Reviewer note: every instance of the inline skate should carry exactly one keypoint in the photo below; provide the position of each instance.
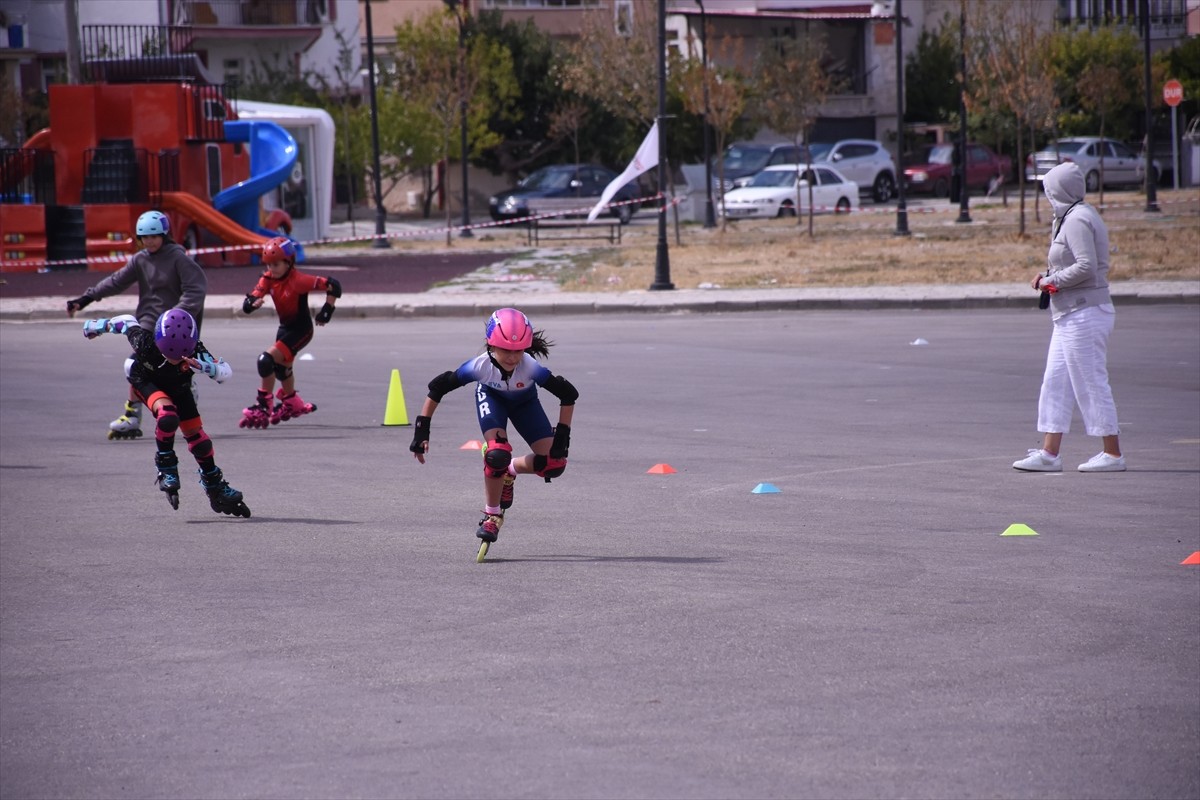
(259, 414)
(290, 406)
(168, 475)
(223, 498)
(128, 425)
(489, 531)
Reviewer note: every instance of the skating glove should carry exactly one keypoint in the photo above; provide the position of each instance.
(94, 327)
(420, 442)
(216, 369)
(248, 306)
(562, 441)
(78, 304)
(325, 314)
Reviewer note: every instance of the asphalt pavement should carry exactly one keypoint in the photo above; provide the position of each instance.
(866, 631)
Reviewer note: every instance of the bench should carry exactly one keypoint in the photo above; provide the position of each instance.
(549, 223)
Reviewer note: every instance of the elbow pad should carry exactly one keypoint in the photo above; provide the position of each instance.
(561, 388)
(441, 385)
(334, 289)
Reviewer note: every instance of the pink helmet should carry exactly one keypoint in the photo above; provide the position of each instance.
(175, 333)
(509, 329)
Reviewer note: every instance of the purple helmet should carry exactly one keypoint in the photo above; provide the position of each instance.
(175, 334)
(509, 329)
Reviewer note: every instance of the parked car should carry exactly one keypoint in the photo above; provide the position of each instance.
(773, 192)
(582, 182)
(864, 161)
(1122, 166)
(741, 161)
(933, 176)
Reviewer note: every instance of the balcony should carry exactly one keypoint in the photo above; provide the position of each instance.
(257, 13)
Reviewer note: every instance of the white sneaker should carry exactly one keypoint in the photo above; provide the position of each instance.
(1103, 462)
(1040, 461)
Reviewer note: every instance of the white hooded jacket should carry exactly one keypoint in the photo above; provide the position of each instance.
(1078, 258)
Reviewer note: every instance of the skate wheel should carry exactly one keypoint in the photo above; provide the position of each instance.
(482, 554)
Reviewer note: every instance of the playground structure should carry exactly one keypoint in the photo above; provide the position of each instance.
(149, 131)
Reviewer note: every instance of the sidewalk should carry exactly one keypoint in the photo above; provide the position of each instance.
(480, 299)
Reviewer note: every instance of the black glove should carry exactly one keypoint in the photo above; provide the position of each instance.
(248, 305)
(420, 440)
(78, 304)
(562, 441)
(325, 314)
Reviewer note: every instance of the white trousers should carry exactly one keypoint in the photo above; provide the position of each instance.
(1077, 372)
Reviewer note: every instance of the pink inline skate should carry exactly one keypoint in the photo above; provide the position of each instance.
(259, 414)
(290, 406)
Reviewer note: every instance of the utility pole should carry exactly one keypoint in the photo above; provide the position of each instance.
(381, 241)
(901, 206)
(710, 217)
(964, 207)
(662, 259)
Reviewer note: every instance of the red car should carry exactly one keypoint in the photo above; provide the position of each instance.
(933, 177)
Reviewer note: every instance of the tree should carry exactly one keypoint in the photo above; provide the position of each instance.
(792, 84)
(1007, 47)
(1072, 53)
(440, 73)
(930, 88)
(1102, 88)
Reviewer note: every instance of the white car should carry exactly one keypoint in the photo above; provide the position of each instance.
(778, 191)
(864, 161)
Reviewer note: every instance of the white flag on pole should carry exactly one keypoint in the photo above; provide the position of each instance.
(645, 158)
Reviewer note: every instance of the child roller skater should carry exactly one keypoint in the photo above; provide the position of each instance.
(289, 288)
(166, 277)
(160, 372)
(507, 376)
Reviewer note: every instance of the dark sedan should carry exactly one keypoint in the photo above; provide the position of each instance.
(576, 185)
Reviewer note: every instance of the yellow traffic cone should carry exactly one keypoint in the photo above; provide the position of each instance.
(396, 413)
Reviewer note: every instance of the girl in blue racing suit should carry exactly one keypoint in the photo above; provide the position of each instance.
(506, 378)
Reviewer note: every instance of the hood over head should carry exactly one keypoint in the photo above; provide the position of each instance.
(1064, 186)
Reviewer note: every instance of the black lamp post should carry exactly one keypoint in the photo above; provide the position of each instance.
(662, 259)
(455, 5)
(710, 218)
(964, 207)
(901, 206)
(1151, 187)
(381, 240)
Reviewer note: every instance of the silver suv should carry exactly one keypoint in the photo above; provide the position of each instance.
(1122, 167)
(864, 161)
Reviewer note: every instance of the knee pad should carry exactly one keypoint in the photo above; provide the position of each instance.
(283, 372)
(546, 467)
(266, 365)
(496, 458)
(168, 419)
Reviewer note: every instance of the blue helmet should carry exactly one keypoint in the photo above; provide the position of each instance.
(153, 223)
(176, 334)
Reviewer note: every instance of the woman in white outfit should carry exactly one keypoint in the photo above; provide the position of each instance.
(1076, 281)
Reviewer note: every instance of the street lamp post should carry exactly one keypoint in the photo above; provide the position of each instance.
(1151, 188)
(710, 218)
(662, 259)
(964, 207)
(455, 5)
(381, 240)
(901, 206)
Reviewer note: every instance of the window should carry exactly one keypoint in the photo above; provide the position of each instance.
(623, 17)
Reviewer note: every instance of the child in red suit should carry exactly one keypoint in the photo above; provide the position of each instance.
(289, 288)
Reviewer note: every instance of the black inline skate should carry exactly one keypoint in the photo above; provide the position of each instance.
(223, 498)
(168, 475)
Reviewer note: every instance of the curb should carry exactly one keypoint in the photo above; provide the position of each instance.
(481, 303)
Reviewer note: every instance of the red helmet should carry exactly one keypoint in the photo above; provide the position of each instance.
(509, 329)
(280, 248)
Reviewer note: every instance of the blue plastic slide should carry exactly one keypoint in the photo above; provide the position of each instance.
(273, 151)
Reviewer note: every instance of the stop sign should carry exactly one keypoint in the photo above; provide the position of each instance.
(1173, 92)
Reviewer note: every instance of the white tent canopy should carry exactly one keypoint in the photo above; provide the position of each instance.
(308, 194)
